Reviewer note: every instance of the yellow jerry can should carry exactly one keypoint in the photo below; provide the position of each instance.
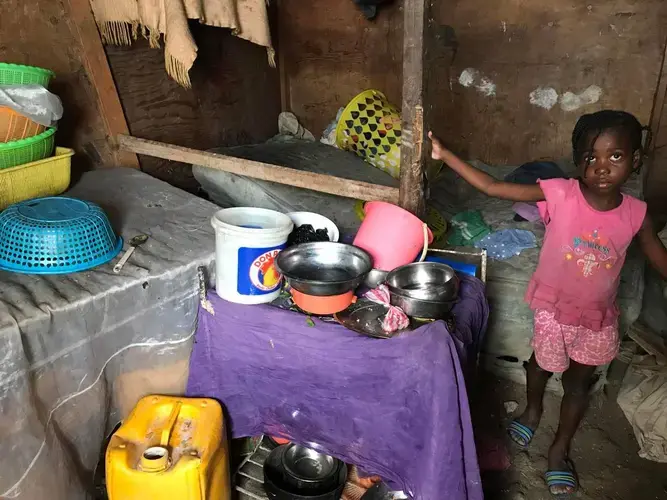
(170, 448)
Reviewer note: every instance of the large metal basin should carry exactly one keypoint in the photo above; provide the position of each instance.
(324, 268)
(422, 309)
(430, 281)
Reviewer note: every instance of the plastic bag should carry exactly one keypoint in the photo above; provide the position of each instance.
(329, 134)
(643, 399)
(32, 101)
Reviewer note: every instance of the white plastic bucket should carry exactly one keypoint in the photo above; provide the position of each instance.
(247, 241)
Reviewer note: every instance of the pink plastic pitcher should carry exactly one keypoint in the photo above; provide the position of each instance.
(393, 236)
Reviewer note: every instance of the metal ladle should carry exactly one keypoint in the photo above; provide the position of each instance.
(134, 243)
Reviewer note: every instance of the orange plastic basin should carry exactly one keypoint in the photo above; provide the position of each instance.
(321, 306)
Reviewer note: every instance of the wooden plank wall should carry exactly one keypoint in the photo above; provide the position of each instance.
(234, 100)
(512, 47)
(235, 97)
(39, 33)
(330, 53)
(565, 45)
(656, 185)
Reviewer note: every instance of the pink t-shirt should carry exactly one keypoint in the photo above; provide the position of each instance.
(584, 249)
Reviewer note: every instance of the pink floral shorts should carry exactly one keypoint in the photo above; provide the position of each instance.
(556, 344)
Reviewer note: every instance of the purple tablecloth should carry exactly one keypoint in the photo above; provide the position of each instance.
(397, 408)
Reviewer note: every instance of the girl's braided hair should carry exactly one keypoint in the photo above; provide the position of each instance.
(590, 126)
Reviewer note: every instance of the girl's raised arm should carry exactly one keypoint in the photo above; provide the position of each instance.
(482, 181)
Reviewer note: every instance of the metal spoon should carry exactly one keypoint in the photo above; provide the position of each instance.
(134, 243)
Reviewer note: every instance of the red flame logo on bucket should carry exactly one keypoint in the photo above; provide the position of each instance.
(263, 272)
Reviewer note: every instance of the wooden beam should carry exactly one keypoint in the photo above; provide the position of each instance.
(95, 60)
(413, 153)
(285, 82)
(659, 109)
(257, 170)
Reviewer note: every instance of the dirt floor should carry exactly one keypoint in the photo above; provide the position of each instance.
(604, 450)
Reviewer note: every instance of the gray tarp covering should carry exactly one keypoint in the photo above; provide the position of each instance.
(77, 351)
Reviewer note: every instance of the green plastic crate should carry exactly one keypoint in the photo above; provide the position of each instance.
(18, 74)
(27, 150)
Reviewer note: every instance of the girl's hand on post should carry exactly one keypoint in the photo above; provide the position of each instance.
(438, 151)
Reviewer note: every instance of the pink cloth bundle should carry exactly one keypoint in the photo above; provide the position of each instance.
(395, 319)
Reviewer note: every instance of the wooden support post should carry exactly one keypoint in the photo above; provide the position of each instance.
(95, 60)
(659, 110)
(285, 83)
(413, 153)
(257, 170)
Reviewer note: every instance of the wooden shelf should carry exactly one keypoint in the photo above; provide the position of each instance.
(265, 171)
(411, 193)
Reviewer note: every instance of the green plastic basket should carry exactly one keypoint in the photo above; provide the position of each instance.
(18, 74)
(27, 150)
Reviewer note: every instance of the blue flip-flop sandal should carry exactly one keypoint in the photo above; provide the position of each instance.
(519, 433)
(563, 478)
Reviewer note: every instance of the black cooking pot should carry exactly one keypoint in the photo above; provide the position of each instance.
(292, 472)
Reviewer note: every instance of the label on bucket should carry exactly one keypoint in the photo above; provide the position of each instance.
(257, 274)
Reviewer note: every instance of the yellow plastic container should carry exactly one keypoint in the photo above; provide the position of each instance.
(47, 177)
(170, 448)
(370, 126)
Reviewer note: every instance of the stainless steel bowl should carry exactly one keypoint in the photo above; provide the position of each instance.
(431, 281)
(308, 465)
(281, 484)
(324, 268)
(375, 278)
(420, 308)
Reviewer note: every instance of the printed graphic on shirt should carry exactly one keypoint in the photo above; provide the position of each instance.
(590, 252)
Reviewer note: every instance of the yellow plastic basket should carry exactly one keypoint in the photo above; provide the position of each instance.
(370, 126)
(47, 177)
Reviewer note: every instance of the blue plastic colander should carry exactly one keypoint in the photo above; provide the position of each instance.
(55, 236)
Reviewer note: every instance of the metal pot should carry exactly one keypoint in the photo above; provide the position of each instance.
(308, 470)
(313, 483)
(430, 281)
(375, 278)
(324, 268)
(419, 308)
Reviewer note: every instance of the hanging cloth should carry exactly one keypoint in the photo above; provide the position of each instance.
(120, 21)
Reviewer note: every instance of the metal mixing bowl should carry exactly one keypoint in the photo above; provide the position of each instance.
(419, 308)
(308, 465)
(324, 268)
(375, 278)
(430, 281)
(280, 482)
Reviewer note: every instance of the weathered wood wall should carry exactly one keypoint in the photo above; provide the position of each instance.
(656, 185)
(235, 98)
(564, 45)
(505, 50)
(39, 33)
(330, 53)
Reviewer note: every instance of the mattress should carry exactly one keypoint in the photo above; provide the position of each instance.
(229, 190)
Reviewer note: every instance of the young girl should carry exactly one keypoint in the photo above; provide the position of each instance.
(589, 226)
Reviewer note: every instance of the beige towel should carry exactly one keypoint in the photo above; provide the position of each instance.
(119, 22)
